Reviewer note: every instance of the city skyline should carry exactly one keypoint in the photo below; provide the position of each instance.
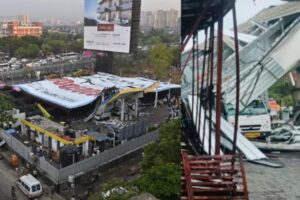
(52, 10)
(160, 19)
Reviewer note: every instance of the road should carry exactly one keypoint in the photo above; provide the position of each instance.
(26, 75)
(8, 178)
(265, 183)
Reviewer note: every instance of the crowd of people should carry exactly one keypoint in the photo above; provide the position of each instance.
(173, 106)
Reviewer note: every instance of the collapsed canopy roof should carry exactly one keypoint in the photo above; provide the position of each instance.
(71, 93)
(192, 9)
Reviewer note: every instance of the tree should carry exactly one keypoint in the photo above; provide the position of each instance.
(161, 164)
(162, 181)
(167, 149)
(160, 168)
(160, 57)
(21, 52)
(176, 56)
(282, 91)
(27, 40)
(10, 44)
(32, 51)
(57, 36)
(46, 49)
(75, 45)
(57, 46)
(6, 105)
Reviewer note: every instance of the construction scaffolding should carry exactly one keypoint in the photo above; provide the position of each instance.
(214, 175)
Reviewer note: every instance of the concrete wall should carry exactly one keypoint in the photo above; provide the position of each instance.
(59, 176)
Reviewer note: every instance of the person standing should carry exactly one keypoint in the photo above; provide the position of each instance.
(13, 193)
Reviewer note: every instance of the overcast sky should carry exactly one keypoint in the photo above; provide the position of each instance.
(73, 9)
(66, 9)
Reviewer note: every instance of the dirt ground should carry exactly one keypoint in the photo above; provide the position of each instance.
(92, 182)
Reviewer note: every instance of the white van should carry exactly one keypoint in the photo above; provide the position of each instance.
(254, 120)
(30, 186)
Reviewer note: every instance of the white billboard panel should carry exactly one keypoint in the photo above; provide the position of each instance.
(70, 92)
(107, 25)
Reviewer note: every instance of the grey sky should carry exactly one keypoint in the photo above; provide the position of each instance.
(73, 9)
(66, 9)
(150, 5)
(43, 9)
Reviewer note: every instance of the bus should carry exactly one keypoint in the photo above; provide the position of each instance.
(69, 56)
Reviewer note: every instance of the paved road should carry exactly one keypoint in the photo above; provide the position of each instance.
(26, 75)
(8, 178)
(265, 183)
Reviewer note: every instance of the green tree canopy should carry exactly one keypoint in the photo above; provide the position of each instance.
(167, 149)
(46, 49)
(5, 106)
(282, 91)
(75, 45)
(57, 46)
(21, 52)
(160, 57)
(30, 51)
(30, 46)
(161, 164)
(162, 181)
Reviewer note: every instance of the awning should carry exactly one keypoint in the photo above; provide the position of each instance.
(98, 136)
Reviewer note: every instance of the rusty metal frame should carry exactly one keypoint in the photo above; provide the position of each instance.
(213, 177)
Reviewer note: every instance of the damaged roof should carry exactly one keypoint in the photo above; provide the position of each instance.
(192, 9)
(272, 13)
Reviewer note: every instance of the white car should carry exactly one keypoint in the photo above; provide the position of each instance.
(30, 186)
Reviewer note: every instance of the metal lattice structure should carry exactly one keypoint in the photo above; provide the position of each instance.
(212, 176)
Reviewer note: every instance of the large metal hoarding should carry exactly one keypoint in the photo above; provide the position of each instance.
(107, 25)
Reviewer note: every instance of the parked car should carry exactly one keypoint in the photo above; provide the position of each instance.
(30, 186)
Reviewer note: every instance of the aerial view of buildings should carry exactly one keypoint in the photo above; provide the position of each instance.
(149, 100)
(22, 27)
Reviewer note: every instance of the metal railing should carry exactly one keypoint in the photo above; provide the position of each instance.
(106, 156)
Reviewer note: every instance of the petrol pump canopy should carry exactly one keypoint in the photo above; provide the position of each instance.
(70, 92)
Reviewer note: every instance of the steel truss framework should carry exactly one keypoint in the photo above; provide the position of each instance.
(212, 176)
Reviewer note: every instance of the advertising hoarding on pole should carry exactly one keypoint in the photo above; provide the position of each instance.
(107, 25)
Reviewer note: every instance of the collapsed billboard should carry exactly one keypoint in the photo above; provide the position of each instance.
(107, 25)
(70, 92)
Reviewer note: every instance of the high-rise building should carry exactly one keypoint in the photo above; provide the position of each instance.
(160, 19)
(172, 18)
(25, 20)
(23, 28)
(147, 19)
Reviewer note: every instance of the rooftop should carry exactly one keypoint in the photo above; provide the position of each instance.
(271, 13)
(192, 9)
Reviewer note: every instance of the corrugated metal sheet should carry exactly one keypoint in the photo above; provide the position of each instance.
(271, 13)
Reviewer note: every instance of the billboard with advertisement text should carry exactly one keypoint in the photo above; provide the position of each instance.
(107, 25)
